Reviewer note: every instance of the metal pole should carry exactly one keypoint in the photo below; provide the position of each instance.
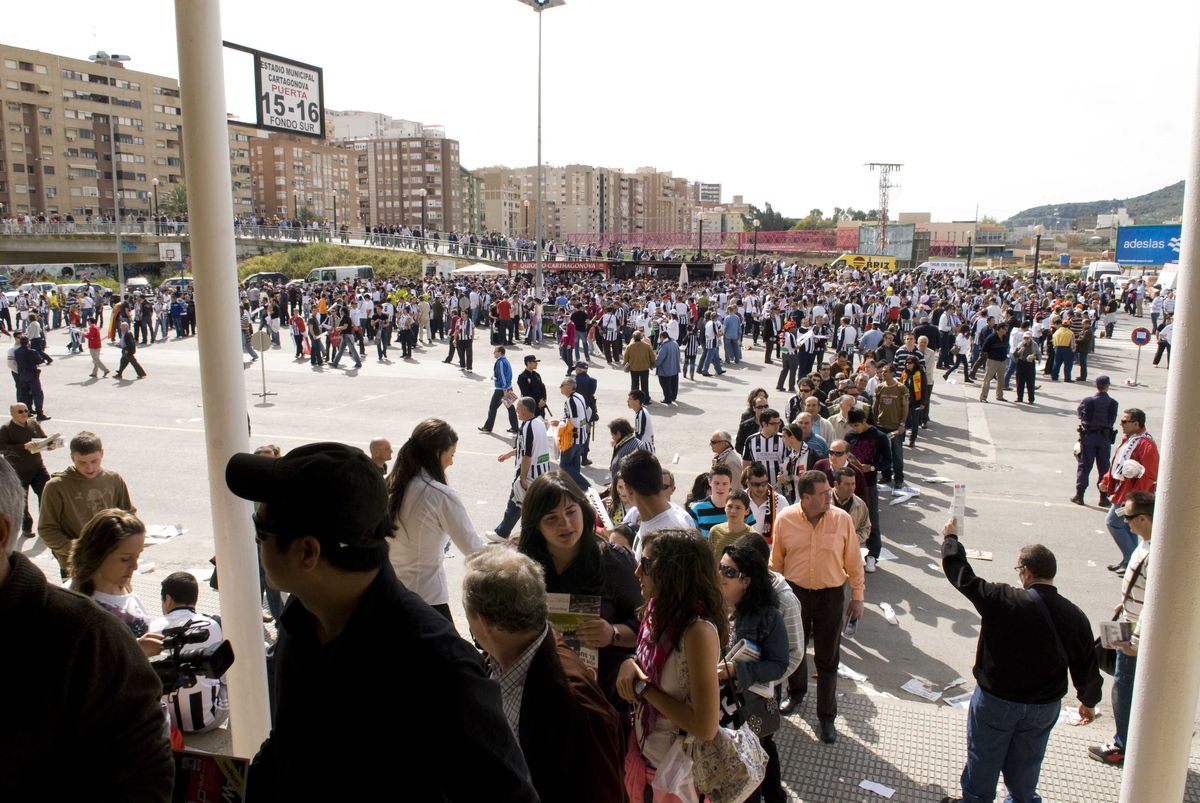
(1168, 667)
(538, 283)
(222, 381)
(1037, 255)
(335, 211)
(112, 149)
(700, 239)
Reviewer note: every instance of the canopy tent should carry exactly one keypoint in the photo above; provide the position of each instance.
(477, 267)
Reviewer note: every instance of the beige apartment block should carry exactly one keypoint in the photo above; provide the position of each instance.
(400, 176)
(293, 173)
(55, 153)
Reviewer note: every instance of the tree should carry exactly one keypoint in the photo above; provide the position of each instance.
(306, 215)
(768, 218)
(174, 204)
(988, 219)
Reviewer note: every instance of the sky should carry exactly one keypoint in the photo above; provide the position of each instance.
(996, 107)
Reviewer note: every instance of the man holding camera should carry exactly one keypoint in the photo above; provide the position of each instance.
(203, 705)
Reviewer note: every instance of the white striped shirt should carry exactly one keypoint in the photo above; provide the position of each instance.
(643, 430)
(575, 410)
(205, 704)
(768, 451)
(531, 440)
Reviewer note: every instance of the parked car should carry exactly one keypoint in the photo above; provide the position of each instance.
(176, 283)
(269, 278)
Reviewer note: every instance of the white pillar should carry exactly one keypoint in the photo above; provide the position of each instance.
(222, 386)
(1168, 671)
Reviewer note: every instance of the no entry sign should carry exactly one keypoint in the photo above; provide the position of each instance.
(1140, 336)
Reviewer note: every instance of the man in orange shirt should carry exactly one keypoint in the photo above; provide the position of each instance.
(816, 548)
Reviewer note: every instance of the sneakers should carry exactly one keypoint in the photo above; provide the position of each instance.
(870, 565)
(1107, 754)
(493, 537)
(1077, 499)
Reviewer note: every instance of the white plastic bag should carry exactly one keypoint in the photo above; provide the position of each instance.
(674, 774)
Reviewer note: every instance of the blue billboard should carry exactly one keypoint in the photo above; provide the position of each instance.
(1148, 245)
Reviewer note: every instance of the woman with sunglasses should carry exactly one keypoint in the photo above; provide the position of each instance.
(914, 379)
(683, 625)
(748, 425)
(754, 617)
(558, 530)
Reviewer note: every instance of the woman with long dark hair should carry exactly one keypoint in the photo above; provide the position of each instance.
(558, 530)
(754, 616)
(683, 634)
(427, 513)
(914, 379)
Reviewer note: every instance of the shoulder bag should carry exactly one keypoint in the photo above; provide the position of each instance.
(728, 767)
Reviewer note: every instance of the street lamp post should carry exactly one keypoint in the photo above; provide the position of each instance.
(526, 228)
(539, 6)
(422, 193)
(154, 203)
(100, 57)
(757, 224)
(1037, 251)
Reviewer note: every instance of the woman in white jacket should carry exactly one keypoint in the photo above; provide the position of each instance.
(427, 513)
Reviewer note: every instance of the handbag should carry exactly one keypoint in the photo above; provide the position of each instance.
(749, 708)
(728, 767)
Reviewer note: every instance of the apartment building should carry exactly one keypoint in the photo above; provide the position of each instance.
(472, 201)
(303, 177)
(410, 172)
(706, 194)
(240, 167)
(55, 154)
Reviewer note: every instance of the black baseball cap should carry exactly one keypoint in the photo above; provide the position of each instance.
(299, 485)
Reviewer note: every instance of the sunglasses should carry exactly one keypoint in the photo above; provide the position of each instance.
(729, 572)
(715, 443)
(837, 453)
(758, 484)
(646, 564)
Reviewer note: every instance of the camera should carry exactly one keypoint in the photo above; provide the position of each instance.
(180, 665)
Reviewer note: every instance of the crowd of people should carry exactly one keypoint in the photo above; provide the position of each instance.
(622, 636)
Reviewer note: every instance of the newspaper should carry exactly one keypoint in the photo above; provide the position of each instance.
(1115, 634)
(49, 442)
(922, 688)
(567, 613)
(201, 776)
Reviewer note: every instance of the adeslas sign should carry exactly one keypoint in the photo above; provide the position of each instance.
(1148, 245)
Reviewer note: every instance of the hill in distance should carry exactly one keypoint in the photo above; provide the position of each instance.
(1153, 207)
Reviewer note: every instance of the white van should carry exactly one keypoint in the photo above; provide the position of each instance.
(942, 266)
(1096, 270)
(338, 273)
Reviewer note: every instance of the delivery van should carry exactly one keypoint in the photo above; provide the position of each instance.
(1097, 270)
(865, 262)
(340, 273)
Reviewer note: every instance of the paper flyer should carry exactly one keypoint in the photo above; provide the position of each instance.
(566, 613)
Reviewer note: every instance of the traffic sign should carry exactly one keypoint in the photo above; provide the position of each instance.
(1140, 336)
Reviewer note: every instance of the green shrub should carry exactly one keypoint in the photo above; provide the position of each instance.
(297, 262)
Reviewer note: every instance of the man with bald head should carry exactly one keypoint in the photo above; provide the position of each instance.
(16, 444)
(381, 452)
(839, 458)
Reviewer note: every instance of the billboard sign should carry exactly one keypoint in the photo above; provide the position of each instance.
(899, 240)
(289, 94)
(1148, 245)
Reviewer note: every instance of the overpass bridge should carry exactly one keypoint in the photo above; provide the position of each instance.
(80, 243)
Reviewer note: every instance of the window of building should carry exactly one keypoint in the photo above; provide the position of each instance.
(48, 170)
(10, 64)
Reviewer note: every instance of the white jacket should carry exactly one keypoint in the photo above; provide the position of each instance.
(430, 515)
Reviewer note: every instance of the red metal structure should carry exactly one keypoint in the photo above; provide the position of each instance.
(803, 241)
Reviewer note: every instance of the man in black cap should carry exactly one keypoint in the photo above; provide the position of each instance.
(361, 661)
(1097, 431)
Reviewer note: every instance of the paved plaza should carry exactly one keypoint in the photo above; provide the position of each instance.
(1016, 461)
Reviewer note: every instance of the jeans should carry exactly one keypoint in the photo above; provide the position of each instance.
(1009, 371)
(711, 357)
(346, 344)
(1122, 696)
(247, 348)
(733, 350)
(1064, 360)
(1005, 737)
(1124, 537)
(494, 405)
(875, 539)
(959, 359)
(512, 515)
(896, 440)
(570, 461)
(581, 337)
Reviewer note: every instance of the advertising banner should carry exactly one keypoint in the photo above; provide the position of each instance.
(1148, 245)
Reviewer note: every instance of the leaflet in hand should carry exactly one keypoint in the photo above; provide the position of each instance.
(50, 442)
(566, 613)
(1115, 634)
(743, 651)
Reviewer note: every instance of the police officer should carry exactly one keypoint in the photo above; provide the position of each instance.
(1097, 419)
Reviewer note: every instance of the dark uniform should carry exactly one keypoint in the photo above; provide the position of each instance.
(1097, 419)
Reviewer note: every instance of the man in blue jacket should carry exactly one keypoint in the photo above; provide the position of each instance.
(501, 384)
(666, 367)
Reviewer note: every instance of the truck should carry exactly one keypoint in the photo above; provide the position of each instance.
(338, 273)
(866, 262)
(1096, 270)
